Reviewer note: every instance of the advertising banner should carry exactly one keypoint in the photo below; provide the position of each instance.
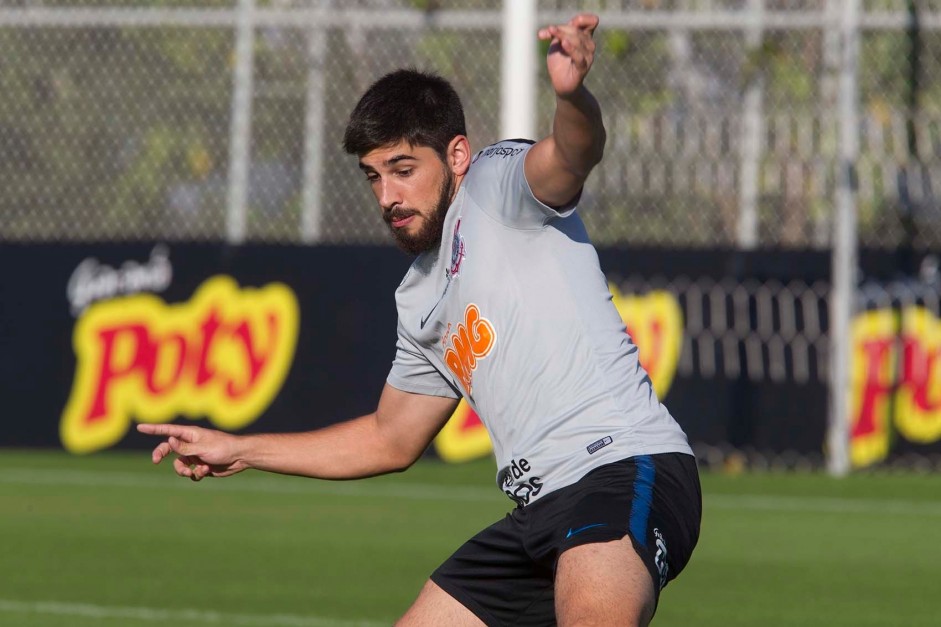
(95, 338)
(895, 397)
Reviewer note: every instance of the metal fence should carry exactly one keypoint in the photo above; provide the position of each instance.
(208, 120)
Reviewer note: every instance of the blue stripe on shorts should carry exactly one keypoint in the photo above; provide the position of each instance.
(643, 497)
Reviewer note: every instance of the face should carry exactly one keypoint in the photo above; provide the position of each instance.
(414, 189)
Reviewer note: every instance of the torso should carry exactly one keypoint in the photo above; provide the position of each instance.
(514, 314)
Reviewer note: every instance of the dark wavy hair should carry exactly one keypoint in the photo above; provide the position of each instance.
(419, 108)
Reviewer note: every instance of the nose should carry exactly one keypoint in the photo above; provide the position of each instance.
(389, 195)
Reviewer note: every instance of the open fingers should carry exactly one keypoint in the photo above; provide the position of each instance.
(162, 450)
(569, 33)
(583, 23)
(172, 445)
(191, 467)
(200, 471)
(187, 434)
(570, 40)
(587, 22)
(182, 467)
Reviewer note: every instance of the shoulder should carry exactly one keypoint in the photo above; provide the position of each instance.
(497, 170)
(502, 151)
(497, 184)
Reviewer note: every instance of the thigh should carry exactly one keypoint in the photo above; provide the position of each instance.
(435, 607)
(494, 576)
(653, 500)
(603, 583)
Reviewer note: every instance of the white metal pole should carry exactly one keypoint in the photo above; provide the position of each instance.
(311, 197)
(240, 129)
(518, 70)
(829, 104)
(843, 291)
(752, 131)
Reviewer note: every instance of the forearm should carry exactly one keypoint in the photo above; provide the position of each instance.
(348, 450)
(389, 439)
(578, 133)
(557, 166)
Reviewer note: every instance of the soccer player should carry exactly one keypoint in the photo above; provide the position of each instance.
(505, 305)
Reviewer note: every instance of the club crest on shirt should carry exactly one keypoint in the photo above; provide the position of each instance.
(457, 251)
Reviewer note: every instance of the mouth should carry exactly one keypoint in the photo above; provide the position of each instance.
(400, 218)
(398, 223)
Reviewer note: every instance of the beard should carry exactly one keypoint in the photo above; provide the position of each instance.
(429, 235)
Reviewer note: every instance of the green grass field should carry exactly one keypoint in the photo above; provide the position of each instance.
(111, 540)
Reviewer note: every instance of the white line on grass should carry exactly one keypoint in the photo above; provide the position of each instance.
(242, 484)
(430, 492)
(821, 504)
(87, 610)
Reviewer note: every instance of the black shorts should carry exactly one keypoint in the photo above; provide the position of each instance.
(505, 574)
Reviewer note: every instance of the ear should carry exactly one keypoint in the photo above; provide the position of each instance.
(459, 155)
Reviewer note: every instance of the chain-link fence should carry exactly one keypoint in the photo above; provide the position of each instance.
(199, 120)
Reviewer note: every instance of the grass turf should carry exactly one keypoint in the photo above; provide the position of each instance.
(110, 540)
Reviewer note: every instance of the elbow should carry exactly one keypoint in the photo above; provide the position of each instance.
(400, 468)
(401, 460)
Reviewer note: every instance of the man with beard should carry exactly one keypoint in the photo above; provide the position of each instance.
(505, 306)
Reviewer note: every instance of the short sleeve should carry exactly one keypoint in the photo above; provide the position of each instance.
(497, 184)
(412, 372)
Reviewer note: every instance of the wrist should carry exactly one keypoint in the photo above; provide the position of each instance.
(242, 451)
(578, 96)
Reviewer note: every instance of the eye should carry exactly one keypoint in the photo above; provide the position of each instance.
(404, 173)
(372, 177)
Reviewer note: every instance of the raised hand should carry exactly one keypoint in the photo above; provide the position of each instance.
(200, 452)
(571, 52)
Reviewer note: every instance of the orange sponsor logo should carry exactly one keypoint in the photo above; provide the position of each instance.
(222, 355)
(472, 340)
(895, 382)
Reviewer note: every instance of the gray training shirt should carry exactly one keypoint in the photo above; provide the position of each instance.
(513, 313)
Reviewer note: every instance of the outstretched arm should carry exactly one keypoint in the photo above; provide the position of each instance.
(388, 440)
(557, 166)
